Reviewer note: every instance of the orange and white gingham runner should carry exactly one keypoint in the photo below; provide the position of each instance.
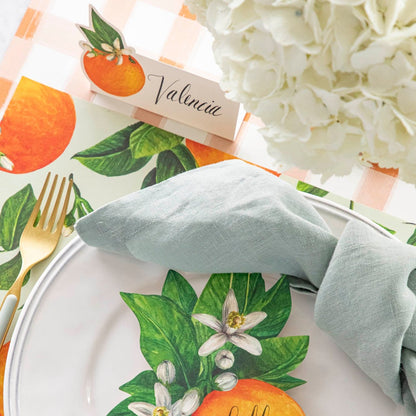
(45, 48)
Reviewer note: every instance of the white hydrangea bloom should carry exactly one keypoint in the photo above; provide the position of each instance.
(333, 80)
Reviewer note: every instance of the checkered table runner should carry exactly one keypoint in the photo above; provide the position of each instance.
(46, 49)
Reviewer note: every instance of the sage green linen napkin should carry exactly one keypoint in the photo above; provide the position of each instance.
(234, 217)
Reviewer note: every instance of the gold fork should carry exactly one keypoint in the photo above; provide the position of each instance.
(38, 241)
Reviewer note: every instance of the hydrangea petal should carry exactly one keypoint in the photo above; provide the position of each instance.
(406, 100)
(235, 48)
(382, 77)
(286, 25)
(407, 13)
(244, 17)
(261, 43)
(376, 53)
(405, 70)
(295, 61)
(260, 81)
(234, 3)
(309, 109)
(293, 126)
(386, 125)
(219, 17)
(335, 136)
(348, 2)
(331, 100)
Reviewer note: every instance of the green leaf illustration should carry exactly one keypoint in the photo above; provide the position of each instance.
(122, 408)
(279, 356)
(389, 230)
(112, 156)
(185, 156)
(248, 289)
(147, 140)
(304, 187)
(167, 166)
(93, 38)
(14, 216)
(277, 303)
(412, 239)
(286, 382)
(106, 32)
(173, 162)
(166, 333)
(177, 288)
(9, 272)
(143, 386)
(150, 179)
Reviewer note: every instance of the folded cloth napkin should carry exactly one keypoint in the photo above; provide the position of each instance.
(233, 217)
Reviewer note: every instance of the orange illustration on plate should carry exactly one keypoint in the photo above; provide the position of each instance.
(107, 63)
(249, 397)
(3, 355)
(219, 354)
(36, 128)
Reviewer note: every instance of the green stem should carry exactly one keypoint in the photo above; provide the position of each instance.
(81, 207)
(86, 205)
(246, 296)
(352, 205)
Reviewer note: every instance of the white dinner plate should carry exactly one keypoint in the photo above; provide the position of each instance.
(76, 340)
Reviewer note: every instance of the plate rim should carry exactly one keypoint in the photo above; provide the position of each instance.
(14, 356)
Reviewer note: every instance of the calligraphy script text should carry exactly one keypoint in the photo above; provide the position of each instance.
(183, 96)
(235, 411)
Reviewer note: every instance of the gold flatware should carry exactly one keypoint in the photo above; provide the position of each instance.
(37, 242)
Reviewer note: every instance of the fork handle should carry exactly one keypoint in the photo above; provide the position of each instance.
(7, 312)
(10, 302)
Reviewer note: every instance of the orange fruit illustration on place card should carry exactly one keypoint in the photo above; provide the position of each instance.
(121, 79)
(249, 397)
(107, 62)
(36, 128)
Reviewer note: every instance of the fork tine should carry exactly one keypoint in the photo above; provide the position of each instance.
(65, 207)
(36, 208)
(55, 208)
(48, 203)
